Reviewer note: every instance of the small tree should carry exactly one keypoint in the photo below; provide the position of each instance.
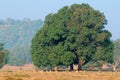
(3, 55)
(116, 53)
(1, 59)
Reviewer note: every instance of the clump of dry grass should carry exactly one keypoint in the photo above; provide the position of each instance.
(12, 78)
(22, 75)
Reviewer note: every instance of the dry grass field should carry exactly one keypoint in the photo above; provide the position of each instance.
(39, 75)
(28, 72)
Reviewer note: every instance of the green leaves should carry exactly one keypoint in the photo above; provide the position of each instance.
(3, 55)
(74, 34)
(116, 50)
(68, 58)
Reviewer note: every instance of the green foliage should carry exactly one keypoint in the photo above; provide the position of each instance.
(6, 55)
(3, 55)
(75, 34)
(1, 46)
(1, 59)
(116, 50)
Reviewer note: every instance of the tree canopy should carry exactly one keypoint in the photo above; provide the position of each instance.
(76, 34)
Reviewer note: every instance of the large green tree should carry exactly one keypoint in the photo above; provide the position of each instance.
(74, 35)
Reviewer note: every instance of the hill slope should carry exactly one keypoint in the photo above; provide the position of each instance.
(16, 35)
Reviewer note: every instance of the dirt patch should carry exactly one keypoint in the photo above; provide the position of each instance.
(25, 67)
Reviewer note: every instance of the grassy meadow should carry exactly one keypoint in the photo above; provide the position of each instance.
(65, 75)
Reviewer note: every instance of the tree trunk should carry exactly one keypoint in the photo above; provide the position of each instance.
(115, 65)
(79, 66)
(56, 68)
(71, 67)
(114, 68)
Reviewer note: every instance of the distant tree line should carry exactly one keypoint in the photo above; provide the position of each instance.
(16, 35)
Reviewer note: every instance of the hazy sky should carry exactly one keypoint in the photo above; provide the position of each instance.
(34, 9)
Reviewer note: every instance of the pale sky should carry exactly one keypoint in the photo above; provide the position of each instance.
(35, 9)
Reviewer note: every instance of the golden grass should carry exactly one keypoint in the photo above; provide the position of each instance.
(39, 75)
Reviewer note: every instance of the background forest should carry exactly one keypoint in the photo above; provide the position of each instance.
(16, 36)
